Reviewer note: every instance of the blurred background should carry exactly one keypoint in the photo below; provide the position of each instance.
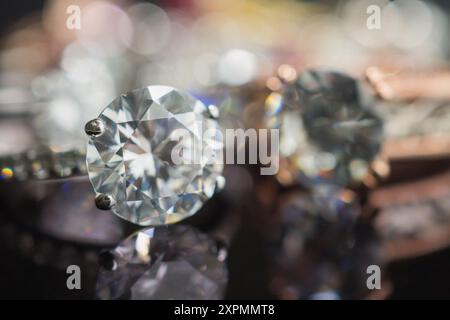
(55, 75)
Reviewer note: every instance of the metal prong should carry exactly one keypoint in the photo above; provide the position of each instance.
(94, 128)
(213, 111)
(220, 183)
(104, 201)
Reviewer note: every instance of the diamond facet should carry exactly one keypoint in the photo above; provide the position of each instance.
(132, 160)
(177, 262)
(328, 128)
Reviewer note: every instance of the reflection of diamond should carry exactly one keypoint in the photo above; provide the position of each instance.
(132, 160)
(177, 262)
(327, 127)
(323, 250)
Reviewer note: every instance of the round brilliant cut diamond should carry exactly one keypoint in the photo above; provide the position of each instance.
(136, 159)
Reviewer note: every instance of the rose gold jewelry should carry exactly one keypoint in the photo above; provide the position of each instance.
(414, 217)
(401, 86)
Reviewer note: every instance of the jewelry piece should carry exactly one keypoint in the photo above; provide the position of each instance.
(130, 157)
(409, 86)
(175, 262)
(329, 129)
(416, 110)
(414, 216)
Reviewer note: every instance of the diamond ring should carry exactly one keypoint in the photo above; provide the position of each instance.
(130, 157)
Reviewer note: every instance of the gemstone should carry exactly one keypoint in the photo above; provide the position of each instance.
(132, 160)
(329, 131)
(174, 262)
